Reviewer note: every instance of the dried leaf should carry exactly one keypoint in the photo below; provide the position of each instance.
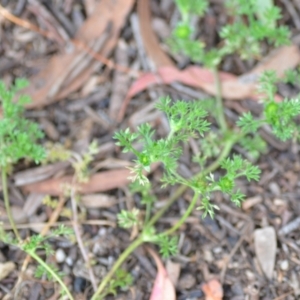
(265, 249)
(6, 268)
(18, 215)
(233, 87)
(163, 288)
(173, 269)
(33, 202)
(99, 182)
(213, 290)
(150, 40)
(69, 71)
(120, 81)
(39, 173)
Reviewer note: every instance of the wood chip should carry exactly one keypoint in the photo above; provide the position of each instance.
(98, 200)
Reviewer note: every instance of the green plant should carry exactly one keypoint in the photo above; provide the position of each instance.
(250, 26)
(38, 242)
(251, 22)
(189, 119)
(18, 140)
(17, 137)
(122, 279)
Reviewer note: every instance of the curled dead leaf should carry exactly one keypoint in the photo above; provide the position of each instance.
(163, 288)
(213, 290)
(6, 268)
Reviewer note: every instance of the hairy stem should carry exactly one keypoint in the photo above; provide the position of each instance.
(180, 190)
(226, 150)
(148, 212)
(139, 241)
(219, 108)
(185, 215)
(53, 273)
(7, 205)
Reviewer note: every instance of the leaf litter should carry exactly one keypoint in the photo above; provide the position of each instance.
(61, 79)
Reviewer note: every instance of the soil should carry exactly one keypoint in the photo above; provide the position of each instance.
(81, 59)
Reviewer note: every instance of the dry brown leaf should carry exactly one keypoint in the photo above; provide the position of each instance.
(68, 71)
(120, 81)
(99, 182)
(213, 290)
(163, 288)
(32, 203)
(6, 268)
(173, 270)
(18, 214)
(39, 173)
(233, 87)
(151, 44)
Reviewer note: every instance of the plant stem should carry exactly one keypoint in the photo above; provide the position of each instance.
(53, 273)
(148, 212)
(219, 109)
(179, 191)
(185, 215)
(139, 241)
(7, 204)
(213, 166)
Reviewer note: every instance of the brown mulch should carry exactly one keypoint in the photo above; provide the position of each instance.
(82, 58)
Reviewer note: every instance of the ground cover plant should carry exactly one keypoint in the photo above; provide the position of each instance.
(190, 120)
(19, 141)
(218, 168)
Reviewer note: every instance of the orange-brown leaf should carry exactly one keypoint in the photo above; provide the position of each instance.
(213, 290)
(163, 288)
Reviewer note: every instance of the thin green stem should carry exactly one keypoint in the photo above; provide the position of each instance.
(53, 273)
(179, 191)
(139, 241)
(219, 109)
(7, 204)
(185, 215)
(226, 150)
(148, 212)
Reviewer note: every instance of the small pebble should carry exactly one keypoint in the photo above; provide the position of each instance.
(208, 255)
(284, 265)
(60, 255)
(250, 275)
(274, 188)
(102, 231)
(69, 261)
(111, 260)
(217, 250)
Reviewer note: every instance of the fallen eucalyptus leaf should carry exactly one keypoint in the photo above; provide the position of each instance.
(163, 288)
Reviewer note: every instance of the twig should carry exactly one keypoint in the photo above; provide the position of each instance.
(233, 251)
(291, 226)
(56, 224)
(109, 63)
(78, 236)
